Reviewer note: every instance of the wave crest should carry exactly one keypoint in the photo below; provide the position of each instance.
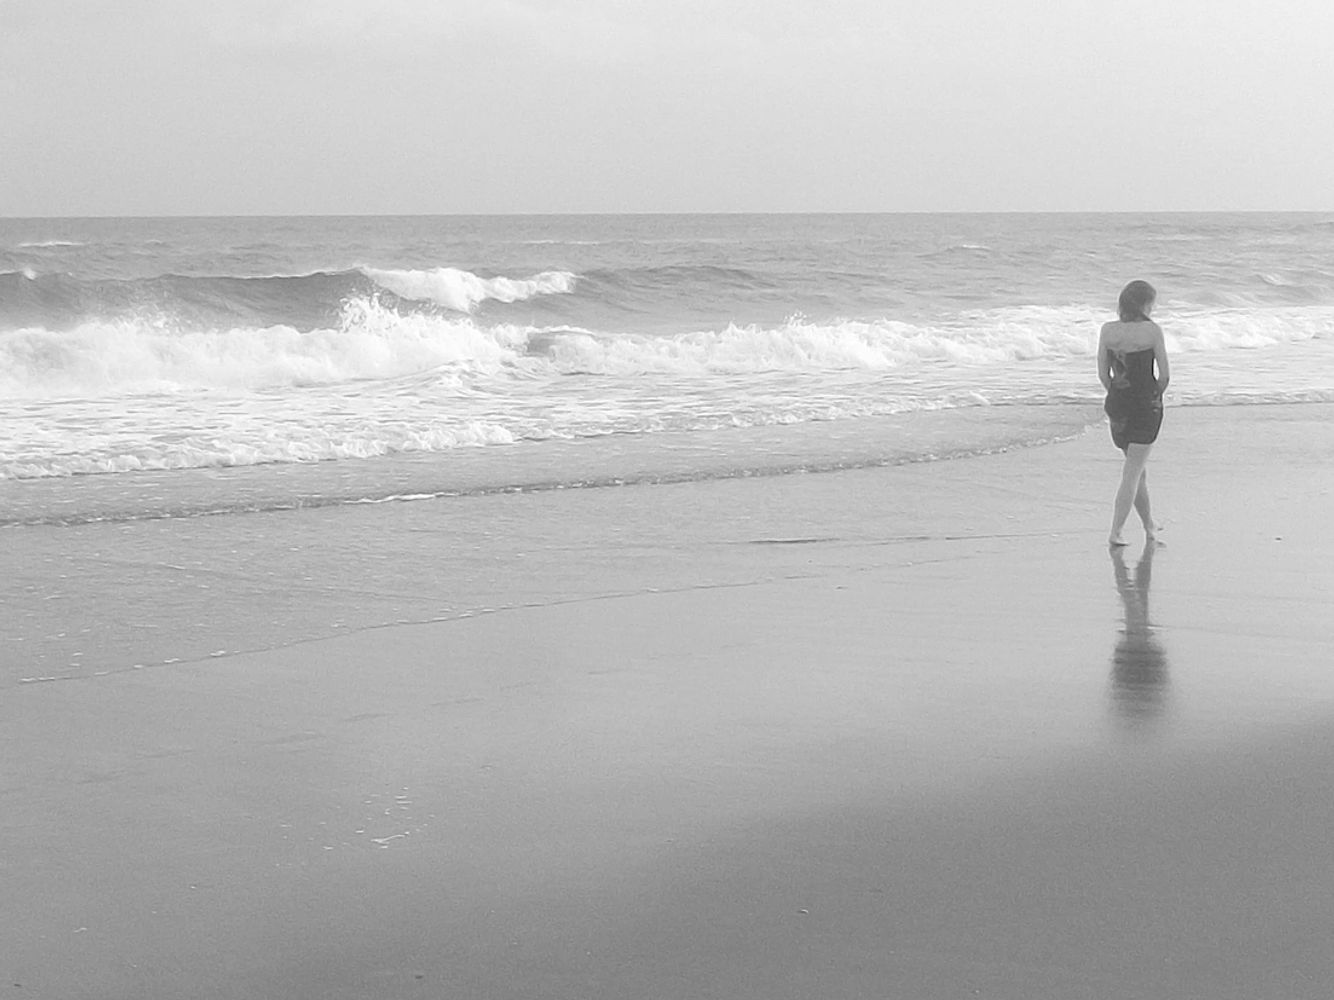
(462, 291)
(50, 244)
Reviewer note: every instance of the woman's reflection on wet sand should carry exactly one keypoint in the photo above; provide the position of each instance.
(1139, 663)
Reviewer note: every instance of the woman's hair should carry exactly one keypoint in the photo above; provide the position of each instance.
(1135, 300)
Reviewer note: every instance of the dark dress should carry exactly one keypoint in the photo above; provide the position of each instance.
(1133, 405)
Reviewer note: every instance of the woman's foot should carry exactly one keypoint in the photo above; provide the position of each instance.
(1115, 541)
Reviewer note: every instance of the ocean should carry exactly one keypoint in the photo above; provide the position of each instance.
(176, 371)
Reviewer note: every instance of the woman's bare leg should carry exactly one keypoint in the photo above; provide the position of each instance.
(1132, 480)
(1142, 505)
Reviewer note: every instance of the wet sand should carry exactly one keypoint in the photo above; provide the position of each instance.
(966, 753)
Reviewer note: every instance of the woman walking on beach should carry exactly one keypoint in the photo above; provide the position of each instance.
(1129, 349)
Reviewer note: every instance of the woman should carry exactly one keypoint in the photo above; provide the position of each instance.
(1129, 350)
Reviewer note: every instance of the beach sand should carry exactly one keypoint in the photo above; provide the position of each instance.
(902, 732)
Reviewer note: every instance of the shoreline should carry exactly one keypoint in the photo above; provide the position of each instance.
(872, 732)
(671, 458)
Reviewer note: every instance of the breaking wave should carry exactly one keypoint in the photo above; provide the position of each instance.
(371, 340)
(463, 291)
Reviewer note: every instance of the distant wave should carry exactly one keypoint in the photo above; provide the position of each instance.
(462, 291)
(46, 244)
(641, 297)
(218, 302)
(679, 277)
(956, 248)
(59, 301)
(562, 243)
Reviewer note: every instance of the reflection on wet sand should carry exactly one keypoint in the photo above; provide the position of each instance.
(1139, 662)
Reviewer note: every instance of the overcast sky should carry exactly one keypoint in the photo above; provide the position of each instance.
(148, 107)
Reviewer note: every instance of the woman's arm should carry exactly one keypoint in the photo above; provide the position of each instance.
(1160, 357)
(1104, 365)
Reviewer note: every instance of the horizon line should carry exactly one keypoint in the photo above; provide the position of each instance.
(794, 213)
